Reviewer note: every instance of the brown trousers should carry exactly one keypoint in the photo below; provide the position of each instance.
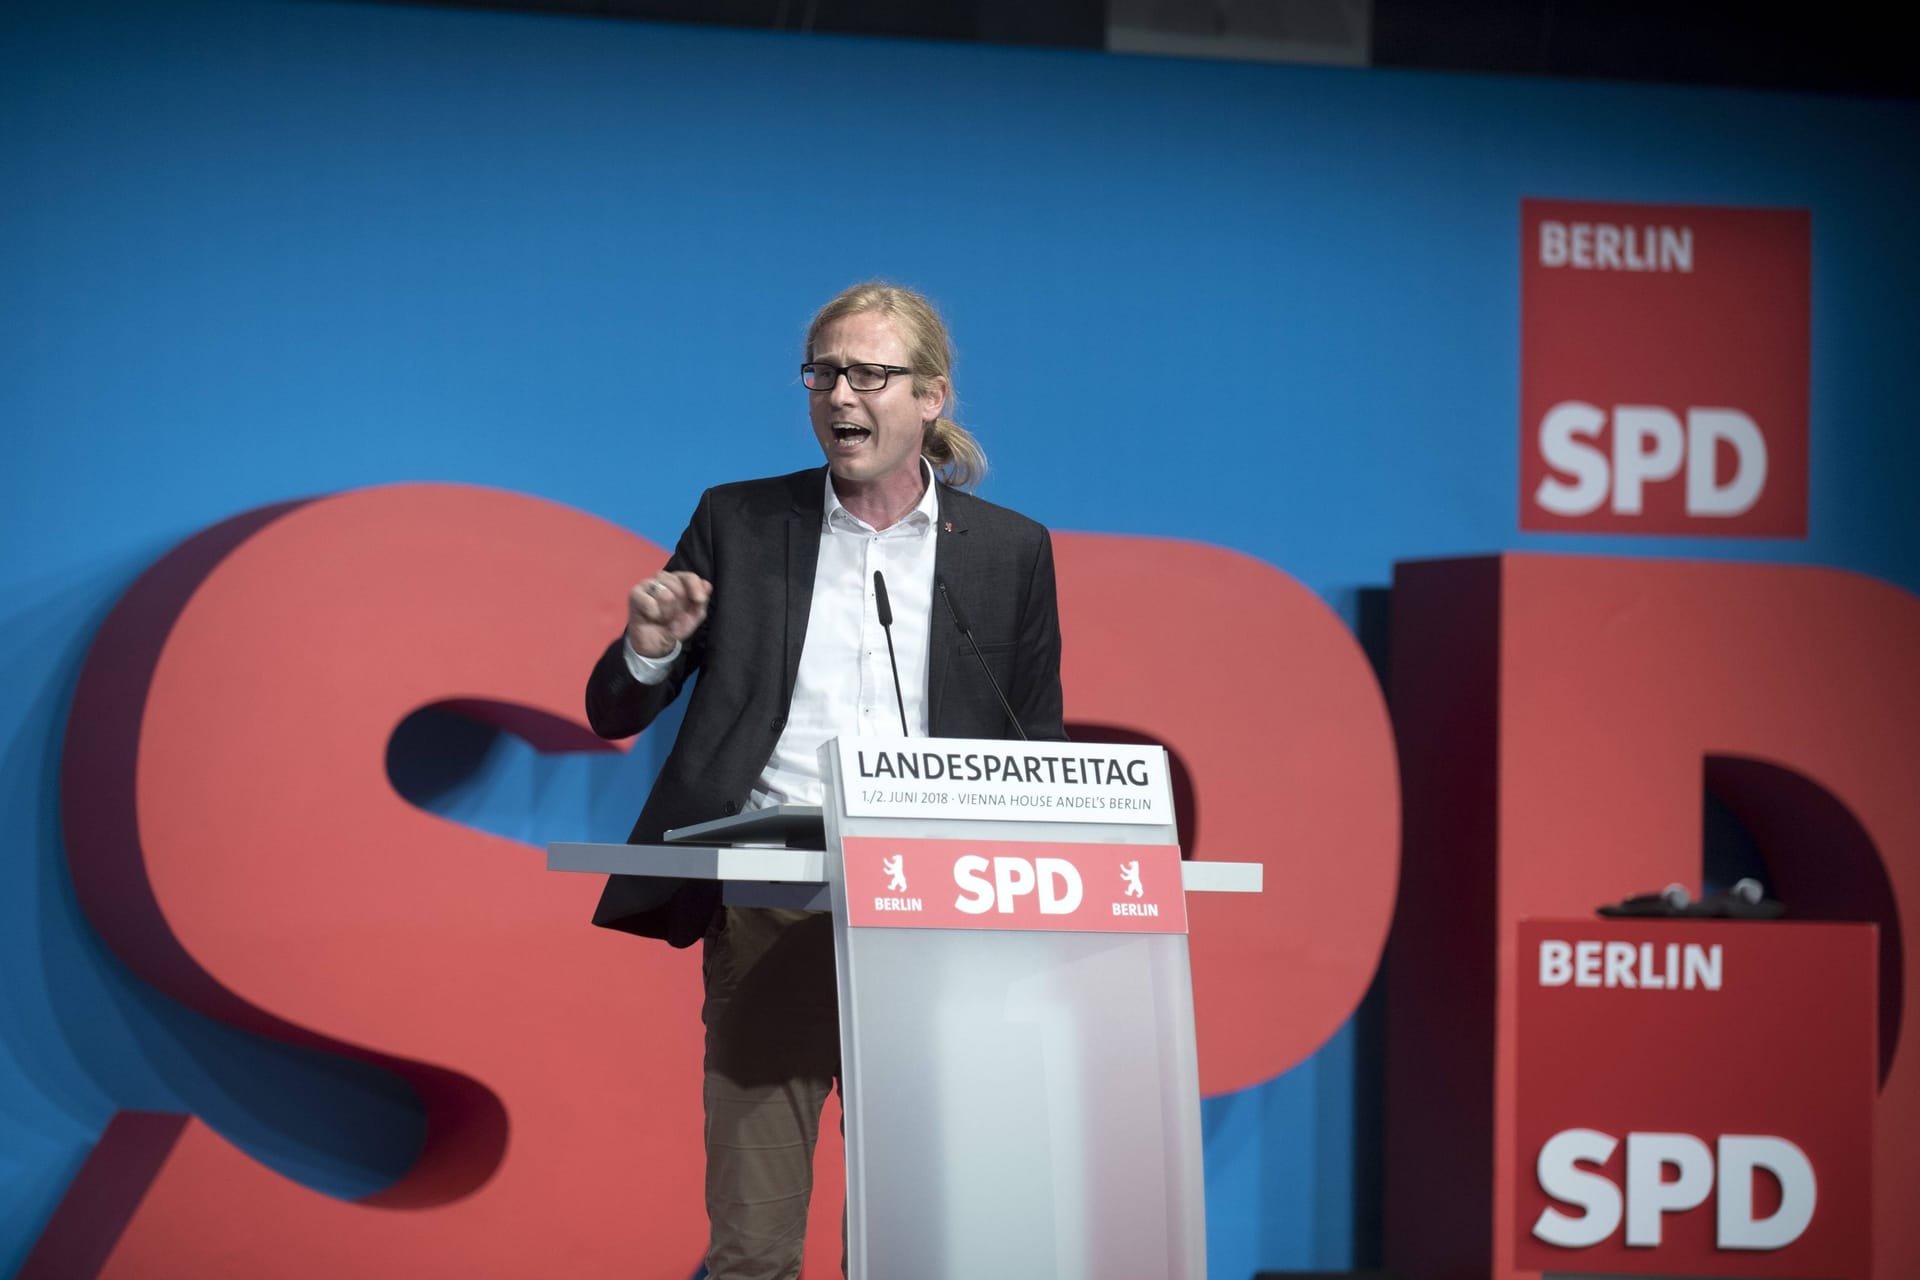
(773, 1055)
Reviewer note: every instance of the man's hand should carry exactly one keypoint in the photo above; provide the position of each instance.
(664, 610)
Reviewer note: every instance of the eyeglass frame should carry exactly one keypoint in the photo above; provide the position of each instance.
(846, 371)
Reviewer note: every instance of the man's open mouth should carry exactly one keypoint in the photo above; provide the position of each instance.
(848, 434)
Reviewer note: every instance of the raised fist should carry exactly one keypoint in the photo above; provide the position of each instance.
(664, 610)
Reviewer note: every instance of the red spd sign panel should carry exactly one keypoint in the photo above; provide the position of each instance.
(1695, 1098)
(1663, 369)
(1008, 884)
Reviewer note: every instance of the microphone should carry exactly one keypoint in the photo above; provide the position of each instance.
(1675, 896)
(886, 625)
(1671, 901)
(973, 644)
(1745, 900)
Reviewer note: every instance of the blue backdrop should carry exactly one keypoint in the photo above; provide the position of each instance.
(252, 252)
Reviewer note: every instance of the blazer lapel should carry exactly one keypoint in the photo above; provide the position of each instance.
(803, 559)
(950, 567)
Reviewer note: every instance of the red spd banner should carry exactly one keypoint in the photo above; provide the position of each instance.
(1663, 369)
(1695, 1098)
(1014, 884)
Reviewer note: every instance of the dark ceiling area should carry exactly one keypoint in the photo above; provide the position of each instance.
(1739, 43)
(1844, 49)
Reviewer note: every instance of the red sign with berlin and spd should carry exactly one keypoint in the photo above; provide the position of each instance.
(1664, 369)
(1014, 884)
(1695, 1098)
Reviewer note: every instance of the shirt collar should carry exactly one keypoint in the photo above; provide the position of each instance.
(918, 520)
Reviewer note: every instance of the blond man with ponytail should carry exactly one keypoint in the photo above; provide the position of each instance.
(770, 598)
(951, 449)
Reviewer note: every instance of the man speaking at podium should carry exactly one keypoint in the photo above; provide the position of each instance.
(771, 598)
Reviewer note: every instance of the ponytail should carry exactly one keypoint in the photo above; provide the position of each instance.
(956, 456)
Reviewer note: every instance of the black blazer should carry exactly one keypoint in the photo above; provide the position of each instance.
(758, 543)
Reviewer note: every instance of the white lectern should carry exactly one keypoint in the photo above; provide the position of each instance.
(1016, 1010)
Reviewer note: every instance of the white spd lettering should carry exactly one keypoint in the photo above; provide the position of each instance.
(1650, 446)
(1671, 1173)
(997, 884)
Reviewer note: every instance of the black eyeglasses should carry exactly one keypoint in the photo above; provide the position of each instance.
(861, 377)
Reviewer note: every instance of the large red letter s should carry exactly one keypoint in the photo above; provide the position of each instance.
(234, 835)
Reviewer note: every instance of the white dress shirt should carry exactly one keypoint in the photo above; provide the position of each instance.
(845, 685)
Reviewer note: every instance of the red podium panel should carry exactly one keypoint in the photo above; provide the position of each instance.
(1008, 884)
(1695, 1098)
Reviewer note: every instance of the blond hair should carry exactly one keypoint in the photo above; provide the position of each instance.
(950, 447)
